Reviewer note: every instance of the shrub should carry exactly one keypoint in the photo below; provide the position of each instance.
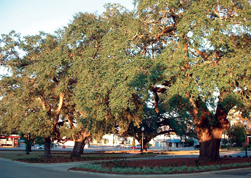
(160, 170)
(192, 168)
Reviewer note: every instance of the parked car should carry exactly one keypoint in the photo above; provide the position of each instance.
(136, 147)
(40, 147)
(127, 146)
(123, 146)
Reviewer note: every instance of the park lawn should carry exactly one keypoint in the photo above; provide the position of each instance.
(18, 155)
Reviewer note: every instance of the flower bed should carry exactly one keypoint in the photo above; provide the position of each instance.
(164, 166)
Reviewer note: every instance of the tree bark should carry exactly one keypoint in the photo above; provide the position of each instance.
(27, 146)
(47, 147)
(145, 143)
(78, 149)
(79, 145)
(210, 136)
(210, 144)
(209, 127)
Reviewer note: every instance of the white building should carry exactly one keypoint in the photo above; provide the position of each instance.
(161, 141)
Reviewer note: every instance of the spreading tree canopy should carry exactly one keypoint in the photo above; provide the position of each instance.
(33, 92)
(202, 50)
(181, 58)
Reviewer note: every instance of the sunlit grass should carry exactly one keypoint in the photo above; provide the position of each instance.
(20, 154)
(38, 154)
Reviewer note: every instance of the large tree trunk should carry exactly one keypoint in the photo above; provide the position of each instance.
(145, 143)
(210, 144)
(210, 127)
(28, 144)
(79, 145)
(78, 148)
(47, 147)
(210, 136)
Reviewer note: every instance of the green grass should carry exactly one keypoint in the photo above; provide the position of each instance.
(38, 154)
(20, 154)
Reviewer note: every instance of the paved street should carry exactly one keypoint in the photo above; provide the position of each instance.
(13, 169)
(9, 169)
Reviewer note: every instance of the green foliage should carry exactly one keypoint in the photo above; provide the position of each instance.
(161, 170)
(189, 142)
(39, 141)
(237, 135)
(167, 63)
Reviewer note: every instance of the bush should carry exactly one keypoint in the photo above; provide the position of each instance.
(189, 142)
(224, 147)
(149, 145)
(160, 170)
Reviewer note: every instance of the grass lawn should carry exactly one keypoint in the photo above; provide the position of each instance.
(38, 154)
(20, 154)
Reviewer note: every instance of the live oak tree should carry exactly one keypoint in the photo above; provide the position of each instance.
(113, 74)
(44, 72)
(38, 94)
(237, 135)
(189, 57)
(83, 38)
(31, 99)
(166, 122)
(104, 91)
(202, 53)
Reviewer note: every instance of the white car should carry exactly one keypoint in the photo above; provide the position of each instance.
(127, 146)
(123, 146)
(40, 147)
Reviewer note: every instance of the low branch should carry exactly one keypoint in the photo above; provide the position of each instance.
(42, 103)
(165, 132)
(155, 91)
(166, 121)
(60, 104)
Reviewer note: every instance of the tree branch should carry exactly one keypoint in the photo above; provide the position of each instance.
(60, 104)
(166, 121)
(165, 132)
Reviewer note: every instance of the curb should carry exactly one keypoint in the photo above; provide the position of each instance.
(138, 175)
(159, 175)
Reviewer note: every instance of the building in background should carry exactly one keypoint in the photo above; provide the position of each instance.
(9, 141)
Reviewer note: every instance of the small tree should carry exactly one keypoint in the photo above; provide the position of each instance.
(237, 135)
(189, 142)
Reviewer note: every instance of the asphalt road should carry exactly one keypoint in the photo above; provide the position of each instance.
(9, 169)
(13, 169)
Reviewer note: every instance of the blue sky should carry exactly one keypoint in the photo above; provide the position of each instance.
(28, 17)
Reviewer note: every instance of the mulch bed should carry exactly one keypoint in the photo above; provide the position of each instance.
(177, 162)
(171, 162)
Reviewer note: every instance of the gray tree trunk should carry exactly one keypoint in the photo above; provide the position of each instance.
(47, 147)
